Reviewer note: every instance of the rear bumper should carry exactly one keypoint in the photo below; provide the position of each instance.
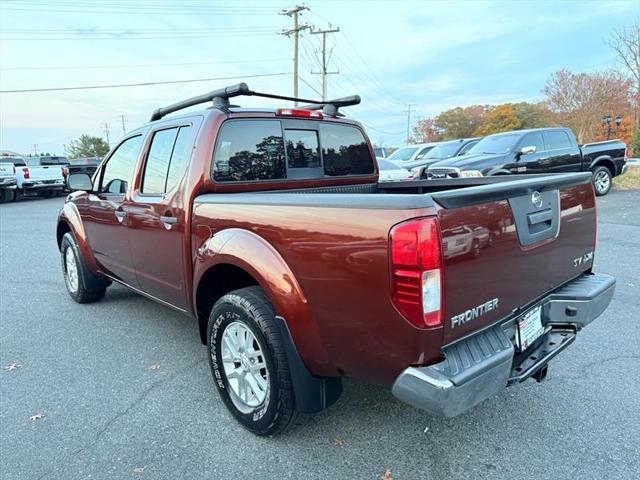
(42, 185)
(483, 364)
(7, 182)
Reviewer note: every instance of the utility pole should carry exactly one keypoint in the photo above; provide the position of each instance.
(107, 129)
(408, 112)
(295, 31)
(34, 146)
(124, 125)
(324, 71)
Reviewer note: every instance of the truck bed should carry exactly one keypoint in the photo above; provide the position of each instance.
(335, 241)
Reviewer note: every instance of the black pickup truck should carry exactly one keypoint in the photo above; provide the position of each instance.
(540, 150)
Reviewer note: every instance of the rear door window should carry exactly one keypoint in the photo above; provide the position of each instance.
(157, 165)
(558, 140)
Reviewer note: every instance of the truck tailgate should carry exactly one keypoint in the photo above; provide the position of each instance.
(49, 172)
(507, 244)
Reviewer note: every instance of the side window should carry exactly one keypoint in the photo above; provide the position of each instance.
(467, 147)
(344, 151)
(118, 170)
(180, 158)
(534, 139)
(249, 150)
(157, 165)
(423, 152)
(558, 139)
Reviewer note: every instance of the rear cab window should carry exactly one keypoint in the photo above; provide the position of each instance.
(283, 149)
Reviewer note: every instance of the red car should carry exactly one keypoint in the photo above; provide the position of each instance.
(269, 228)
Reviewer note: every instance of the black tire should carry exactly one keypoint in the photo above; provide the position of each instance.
(87, 286)
(6, 195)
(252, 308)
(602, 180)
(475, 249)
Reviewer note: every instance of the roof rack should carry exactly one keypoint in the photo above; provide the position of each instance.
(220, 99)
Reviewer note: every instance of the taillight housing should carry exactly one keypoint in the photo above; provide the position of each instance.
(298, 112)
(65, 172)
(416, 272)
(25, 173)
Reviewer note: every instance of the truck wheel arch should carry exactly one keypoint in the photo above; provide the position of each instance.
(604, 161)
(222, 266)
(69, 221)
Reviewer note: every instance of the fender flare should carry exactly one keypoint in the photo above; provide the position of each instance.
(498, 172)
(253, 254)
(70, 216)
(603, 159)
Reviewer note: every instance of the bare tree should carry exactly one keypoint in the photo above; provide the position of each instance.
(626, 43)
(580, 100)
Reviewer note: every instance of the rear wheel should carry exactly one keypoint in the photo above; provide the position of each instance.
(6, 195)
(602, 180)
(82, 285)
(249, 363)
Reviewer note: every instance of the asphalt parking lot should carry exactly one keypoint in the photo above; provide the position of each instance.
(124, 390)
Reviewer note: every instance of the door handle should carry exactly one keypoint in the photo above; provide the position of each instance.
(168, 221)
(120, 215)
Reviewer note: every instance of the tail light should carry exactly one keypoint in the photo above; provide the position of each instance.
(65, 172)
(416, 272)
(25, 173)
(14, 169)
(296, 112)
(626, 153)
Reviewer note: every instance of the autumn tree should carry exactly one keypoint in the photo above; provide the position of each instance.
(460, 122)
(425, 130)
(626, 43)
(499, 119)
(580, 100)
(88, 146)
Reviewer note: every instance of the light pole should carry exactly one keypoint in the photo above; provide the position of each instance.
(606, 122)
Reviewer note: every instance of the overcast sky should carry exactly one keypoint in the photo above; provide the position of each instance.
(433, 55)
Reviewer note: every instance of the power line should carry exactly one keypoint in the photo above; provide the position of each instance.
(143, 84)
(85, 67)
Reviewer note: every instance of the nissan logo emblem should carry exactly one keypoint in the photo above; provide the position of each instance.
(536, 199)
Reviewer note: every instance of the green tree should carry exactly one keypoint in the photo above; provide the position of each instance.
(460, 122)
(635, 142)
(88, 146)
(500, 119)
(533, 115)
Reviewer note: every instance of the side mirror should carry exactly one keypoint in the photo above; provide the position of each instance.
(529, 149)
(79, 181)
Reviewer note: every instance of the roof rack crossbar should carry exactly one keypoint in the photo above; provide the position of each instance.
(220, 99)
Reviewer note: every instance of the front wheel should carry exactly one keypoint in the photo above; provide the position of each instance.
(601, 180)
(249, 363)
(82, 285)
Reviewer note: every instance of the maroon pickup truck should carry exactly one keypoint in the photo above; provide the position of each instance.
(269, 228)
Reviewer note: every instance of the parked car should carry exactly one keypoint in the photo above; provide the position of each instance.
(465, 240)
(381, 152)
(8, 177)
(540, 150)
(41, 176)
(405, 156)
(271, 230)
(390, 172)
(87, 165)
(442, 151)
